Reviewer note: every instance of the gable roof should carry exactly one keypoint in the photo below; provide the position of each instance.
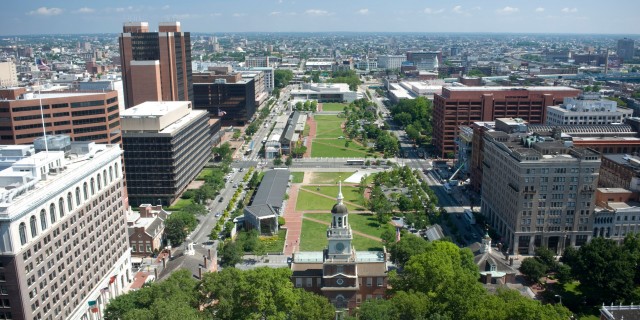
(272, 188)
(260, 211)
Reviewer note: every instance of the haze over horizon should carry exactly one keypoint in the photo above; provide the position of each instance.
(462, 16)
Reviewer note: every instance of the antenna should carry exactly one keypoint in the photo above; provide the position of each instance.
(44, 128)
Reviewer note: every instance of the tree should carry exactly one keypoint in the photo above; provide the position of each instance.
(196, 209)
(282, 77)
(289, 161)
(547, 258)
(533, 269)
(406, 248)
(230, 254)
(377, 310)
(254, 181)
(178, 225)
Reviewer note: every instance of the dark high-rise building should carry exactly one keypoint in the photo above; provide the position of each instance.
(156, 66)
(461, 106)
(166, 144)
(228, 97)
(626, 49)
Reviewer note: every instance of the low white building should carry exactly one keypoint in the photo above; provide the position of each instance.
(325, 92)
(587, 109)
(615, 219)
(391, 61)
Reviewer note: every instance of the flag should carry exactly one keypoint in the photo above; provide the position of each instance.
(397, 234)
(221, 113)
(42, 64)
(112, 279)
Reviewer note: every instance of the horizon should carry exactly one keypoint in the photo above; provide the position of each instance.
(589, 17)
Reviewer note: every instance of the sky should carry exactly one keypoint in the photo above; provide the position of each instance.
(212, 16)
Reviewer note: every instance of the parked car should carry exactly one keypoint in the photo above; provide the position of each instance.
(221, 199)
(218, 215)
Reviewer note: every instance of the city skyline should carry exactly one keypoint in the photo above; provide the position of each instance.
(582, 17)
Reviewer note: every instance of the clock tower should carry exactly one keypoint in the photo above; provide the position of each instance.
(339, 233)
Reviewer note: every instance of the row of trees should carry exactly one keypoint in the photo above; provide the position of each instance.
(262, 293)
(347, 76)
(440, 281)
(306, 106)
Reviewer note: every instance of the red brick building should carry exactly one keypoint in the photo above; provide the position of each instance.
(83, 116)
(346, 277)
(461, 106)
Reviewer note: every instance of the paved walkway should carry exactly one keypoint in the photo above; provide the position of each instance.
(313, 127)
(329, 197)
(319, 108)
(293, 221)
(354, 232)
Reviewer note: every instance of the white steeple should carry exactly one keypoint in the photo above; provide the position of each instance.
(340, 197)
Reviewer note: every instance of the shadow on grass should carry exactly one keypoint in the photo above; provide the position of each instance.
(574, 297)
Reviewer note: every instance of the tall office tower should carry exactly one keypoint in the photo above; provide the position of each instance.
(166, 144)
(83, 116)
(8, 74)
(64, 249)
(626, 49)
(461, 106)
(227, 96)
(156, 66)
(537, 192)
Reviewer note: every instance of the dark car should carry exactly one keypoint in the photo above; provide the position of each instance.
(221, 199)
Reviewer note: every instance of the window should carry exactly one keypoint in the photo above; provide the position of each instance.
(309, 282)
(110, 174)
(61, 205)
(85, 190)
(69, 202)
(99, 183)
(93, 186)
(298, 282)
(77, 196)
(43, 219)
(369, 281)
(22, 229)
(52, 213)
(104, 177)
(34, 226)
(380, 281)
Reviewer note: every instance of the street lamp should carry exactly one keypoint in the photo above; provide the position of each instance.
(560, 297)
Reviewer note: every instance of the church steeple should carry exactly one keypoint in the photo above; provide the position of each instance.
(340, 197)
(339, 233)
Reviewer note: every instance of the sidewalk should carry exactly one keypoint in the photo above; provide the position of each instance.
(293, 221)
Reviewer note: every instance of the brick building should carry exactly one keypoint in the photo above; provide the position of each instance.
(146, 229)
(83, 116)
(346, 277)
(458, 106)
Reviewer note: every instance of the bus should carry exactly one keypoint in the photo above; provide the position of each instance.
(355, 162)
(468, 215)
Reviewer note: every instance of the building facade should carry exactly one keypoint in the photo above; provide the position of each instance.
(8, 74)
(146, 229)
(325, 92)
(346, 277)
(424, 60)
(64, 251)
(626, 49)
(391, 61)
(536, 191)
(617, 213)
(461, 106)
(156, 66)
(620, 171)
(166, 144)
(83, 116)
(227, 97)
(587, 109)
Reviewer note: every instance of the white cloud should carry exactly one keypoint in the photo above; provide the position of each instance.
(507, 10)
(85, 10)
(275, 13)
(318, 12)
(539, 9)
(241, 14)
(216, 14)
(457, 9)
(569, 10)
(44, 11)
(166, 7)
(433, 11)
(363, 12)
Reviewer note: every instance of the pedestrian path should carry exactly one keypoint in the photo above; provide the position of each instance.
(293, 221)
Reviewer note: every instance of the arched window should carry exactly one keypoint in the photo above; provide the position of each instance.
(69, 202)
(52, 213)
(104, 177)
(99, 183)
(86, 191)
(43, 219)
(22, 229)
(34, 226)
(61, 206)
(93, 186)
(115, 168)
(110, 174)
(77, 196)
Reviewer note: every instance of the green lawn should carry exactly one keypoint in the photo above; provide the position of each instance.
(314, 238)
(329, 177)
(365, 223)
(328, 126)
(205, 172)
(349, 193)
(329, 149)
(275, 243)
(297, 177)
(179, 205)
(330, 106)
(311, 201)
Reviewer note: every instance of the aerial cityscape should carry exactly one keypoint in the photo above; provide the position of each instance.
(334, 160)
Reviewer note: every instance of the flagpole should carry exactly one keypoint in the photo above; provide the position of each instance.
(44, 128)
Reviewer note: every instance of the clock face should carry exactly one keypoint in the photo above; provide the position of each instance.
(339, 246)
